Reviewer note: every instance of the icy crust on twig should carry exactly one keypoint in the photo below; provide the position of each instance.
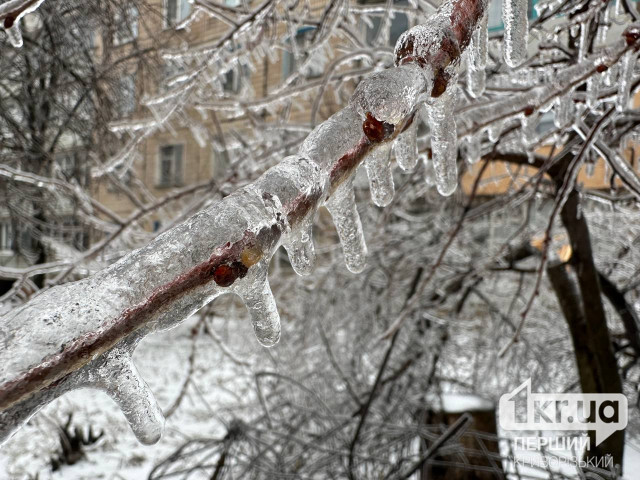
(11, 13)
(390, 95)
(153, 288)
(83, 334)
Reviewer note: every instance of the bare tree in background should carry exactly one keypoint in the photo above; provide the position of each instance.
(60, 91)
(528, 269)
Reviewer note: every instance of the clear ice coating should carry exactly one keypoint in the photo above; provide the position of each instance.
(343, 128)
(391, 94)
(444, 142)
(627, 64)
(515, 16)
(405, 147)
(343, 210)
(294, 180)
(378, 166)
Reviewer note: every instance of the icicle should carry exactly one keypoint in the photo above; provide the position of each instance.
(120, 379)
(593, 89)
(582, 43)
(494, 131)
(476, 81)
(564, 109)
(628, 62)
(378, 166)
(531, 157)
(611, 76)
(256, 294)
(516, 31)
(15, 35)
(300, 249)
(528, 124)
(295, 180)
(406, 147)
(343, 210)
(444, 142)
(477, 59)
(603, 28)
(473, 148)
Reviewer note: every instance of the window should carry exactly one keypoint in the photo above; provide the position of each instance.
(126, 25)
(67, 163)
(175, 11)
(232, 3)
(303, 40)
(231, 82)
(6, 235)
(126, 99)
(398, 25)
(170, 167)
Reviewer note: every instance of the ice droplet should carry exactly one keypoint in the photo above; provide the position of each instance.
(343, 210)
(378, 166)
(119, 378)
(406, 147)
(516, 31)
(624, 82)
(444, 142)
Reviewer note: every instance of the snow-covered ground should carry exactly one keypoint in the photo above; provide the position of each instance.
(223, 389)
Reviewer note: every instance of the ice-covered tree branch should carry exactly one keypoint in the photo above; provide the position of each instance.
(83, 334)
(10, 14)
